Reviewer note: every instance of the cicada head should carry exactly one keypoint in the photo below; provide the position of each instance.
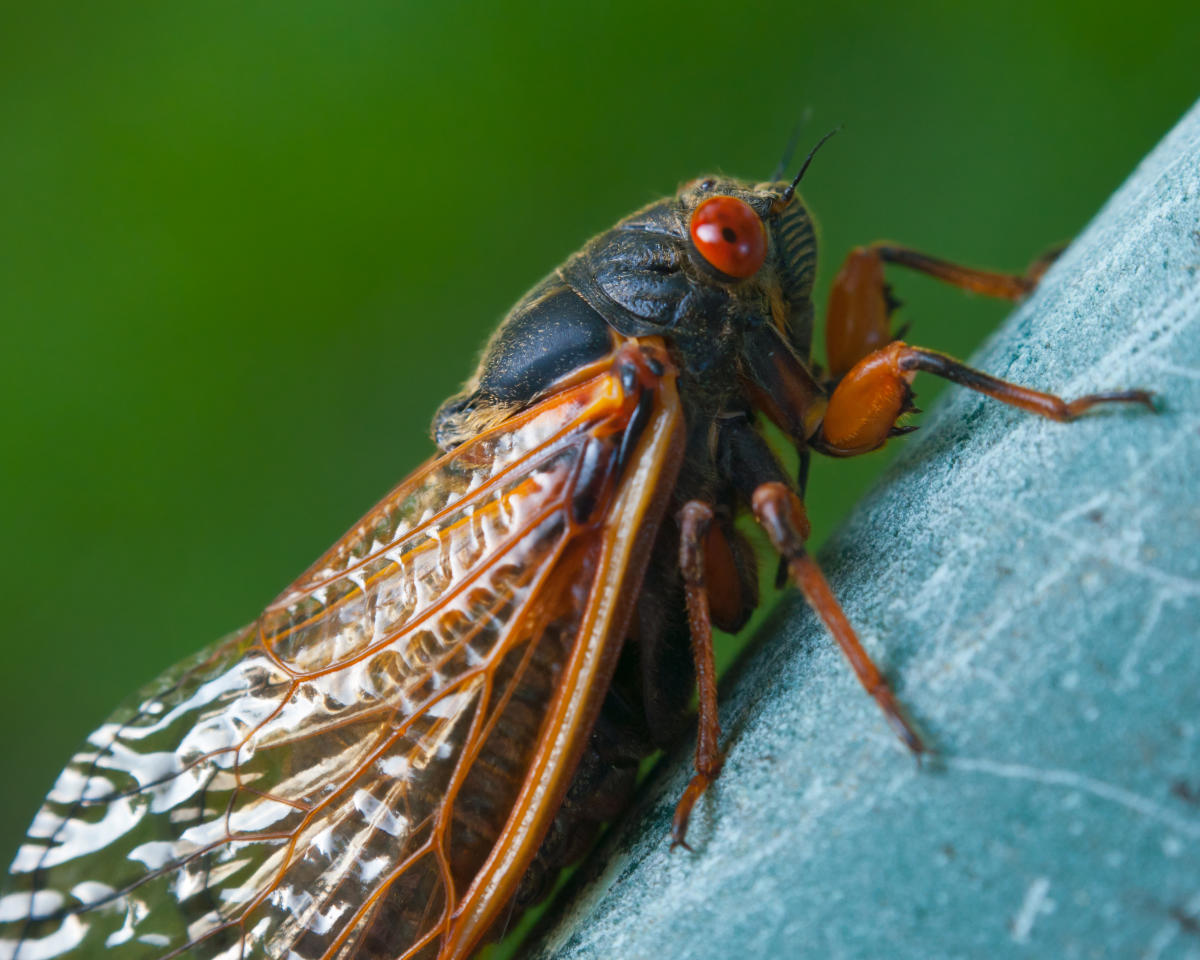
(722, 269)
(758, 242)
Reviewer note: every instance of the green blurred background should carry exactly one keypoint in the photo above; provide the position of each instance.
(247, 248)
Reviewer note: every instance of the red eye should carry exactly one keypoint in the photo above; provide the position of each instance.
(730, 236)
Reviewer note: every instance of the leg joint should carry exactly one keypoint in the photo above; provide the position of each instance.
(694, 520)
(782, 516)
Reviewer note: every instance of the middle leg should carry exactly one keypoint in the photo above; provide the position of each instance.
(746, 458)
(776, 509)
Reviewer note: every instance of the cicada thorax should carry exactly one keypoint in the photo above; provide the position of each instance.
(645, 277)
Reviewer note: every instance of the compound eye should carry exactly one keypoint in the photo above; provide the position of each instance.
(730, 236)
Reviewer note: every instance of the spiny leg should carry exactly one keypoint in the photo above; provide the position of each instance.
(863, 409)
(694, 521)
(1004, 286)
(779, 511)
(745, 457)
(858, 320)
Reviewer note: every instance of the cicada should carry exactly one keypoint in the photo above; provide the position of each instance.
(409, 744)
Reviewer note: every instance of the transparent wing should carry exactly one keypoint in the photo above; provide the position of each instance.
(367, 769)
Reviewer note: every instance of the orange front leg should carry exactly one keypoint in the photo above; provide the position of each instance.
(859, 319)
(863, 410)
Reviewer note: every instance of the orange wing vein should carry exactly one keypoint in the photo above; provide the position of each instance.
(367, 769)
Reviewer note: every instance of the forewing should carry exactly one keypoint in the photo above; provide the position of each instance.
(367, 769)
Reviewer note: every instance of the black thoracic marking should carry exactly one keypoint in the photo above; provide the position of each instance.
(537, 346)
(550, 333)
(653, 365)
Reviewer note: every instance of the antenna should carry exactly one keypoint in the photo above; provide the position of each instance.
(790, 150)
(791, 190)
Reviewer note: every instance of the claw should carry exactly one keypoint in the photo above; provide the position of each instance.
(892, 302)
(676, 842)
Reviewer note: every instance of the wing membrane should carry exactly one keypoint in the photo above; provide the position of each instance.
(366, 769)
